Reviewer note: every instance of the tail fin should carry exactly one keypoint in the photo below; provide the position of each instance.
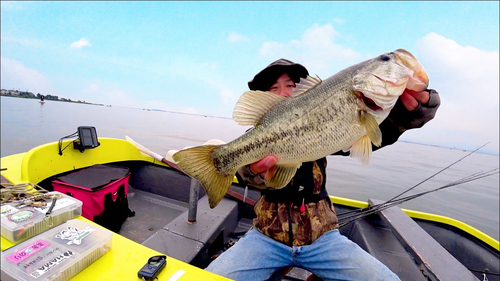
(196, 162)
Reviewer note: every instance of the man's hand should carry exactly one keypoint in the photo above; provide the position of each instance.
(411, 99)
(414, 109)
(263, 165)
(255, 173)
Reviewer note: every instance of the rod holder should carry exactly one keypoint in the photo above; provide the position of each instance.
(193, 200)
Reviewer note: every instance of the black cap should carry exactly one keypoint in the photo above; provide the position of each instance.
(268, 76)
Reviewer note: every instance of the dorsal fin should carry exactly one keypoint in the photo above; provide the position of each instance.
(306, 84)
(252, 105)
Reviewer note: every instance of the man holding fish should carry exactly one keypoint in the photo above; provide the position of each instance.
(296, 125)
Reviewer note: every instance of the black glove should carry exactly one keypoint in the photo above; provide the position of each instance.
(246, 176)
(400, 119)
(405, 120)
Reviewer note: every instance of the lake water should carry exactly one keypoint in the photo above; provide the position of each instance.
(26, 123)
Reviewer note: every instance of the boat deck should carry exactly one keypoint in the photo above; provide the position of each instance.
(151, 213)
(159, 196)
(160, 223)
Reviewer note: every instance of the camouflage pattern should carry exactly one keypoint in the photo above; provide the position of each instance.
(273, 218)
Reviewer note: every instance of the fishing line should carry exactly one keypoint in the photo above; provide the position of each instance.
(376, 208)
(445, 168)
(348, 217)
(484, 272)
(411, 188)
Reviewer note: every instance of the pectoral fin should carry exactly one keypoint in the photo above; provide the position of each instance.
(372, 128)
(282, 176)
(362, 149)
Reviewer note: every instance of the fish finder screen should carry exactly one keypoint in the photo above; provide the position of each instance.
(87, 137)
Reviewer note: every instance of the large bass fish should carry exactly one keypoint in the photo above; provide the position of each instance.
(342, 112)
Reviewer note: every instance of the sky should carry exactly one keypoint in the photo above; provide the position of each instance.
(197, 57)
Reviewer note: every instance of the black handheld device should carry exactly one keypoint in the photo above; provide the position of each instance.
(87, 138)
(152, 268)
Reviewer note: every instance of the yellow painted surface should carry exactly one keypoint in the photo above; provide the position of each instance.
(126, 257)
(458, 224)
(44, 161)
(428, 217)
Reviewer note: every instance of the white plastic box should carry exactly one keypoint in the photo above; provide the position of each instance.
(20, 223)
(57, 254)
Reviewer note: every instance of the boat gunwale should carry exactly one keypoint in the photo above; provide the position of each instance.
(18, 172)
(427, 217)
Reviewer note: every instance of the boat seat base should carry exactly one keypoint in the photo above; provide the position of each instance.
(194, 242)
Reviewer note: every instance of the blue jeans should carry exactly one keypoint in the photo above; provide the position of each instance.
(331, 257)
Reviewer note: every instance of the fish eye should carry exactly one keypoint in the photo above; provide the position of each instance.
(384, 57)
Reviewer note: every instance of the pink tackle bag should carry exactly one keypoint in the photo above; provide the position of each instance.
(103, 189)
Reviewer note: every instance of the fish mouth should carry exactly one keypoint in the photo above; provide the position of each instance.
(383, 102)
(416, 80)
(419, 80)
(369, 102)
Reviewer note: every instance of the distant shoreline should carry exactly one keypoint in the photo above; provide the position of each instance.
(202, 115)
(51, 98)
(30, 95)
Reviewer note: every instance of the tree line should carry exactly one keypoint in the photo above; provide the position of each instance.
(30, 95)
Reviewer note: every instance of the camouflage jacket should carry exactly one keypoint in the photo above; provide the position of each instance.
(278, 211)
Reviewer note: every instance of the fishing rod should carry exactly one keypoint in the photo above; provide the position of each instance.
(445, 168)
(344, 220)
(388, 204)
(471, 177)
(348, 217)
(411, 188)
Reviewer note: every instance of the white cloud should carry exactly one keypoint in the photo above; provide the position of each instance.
(24, 41)
(109, 95)
(316, 49)
(227, 96)
(12, 6)
(190, 110)
(236, 37)
(80, 43)
(467, 79)
(153, 104)
(15, 75)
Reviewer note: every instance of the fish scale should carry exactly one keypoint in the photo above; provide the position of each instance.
(321, 118)
(327, 117)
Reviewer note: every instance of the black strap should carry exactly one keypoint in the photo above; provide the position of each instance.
(275, 197)
(290, 229)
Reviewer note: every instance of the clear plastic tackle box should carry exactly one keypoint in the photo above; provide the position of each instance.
(57, 254)
(20, 222)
